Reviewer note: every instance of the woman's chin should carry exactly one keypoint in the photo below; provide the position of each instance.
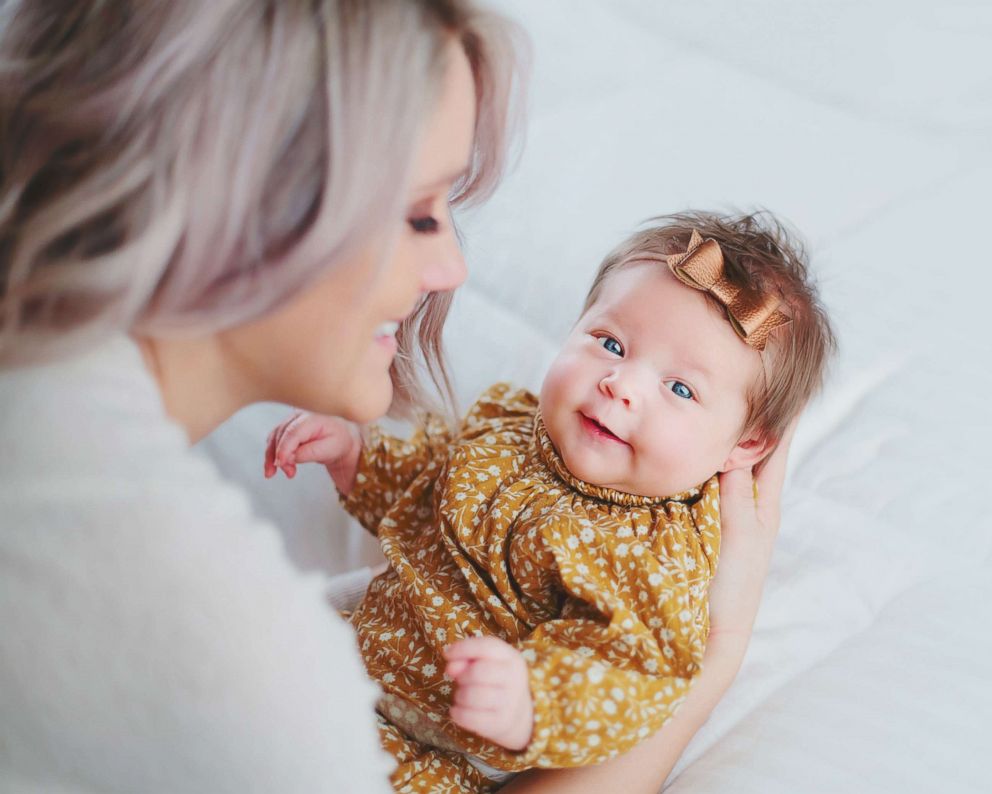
(368, 399)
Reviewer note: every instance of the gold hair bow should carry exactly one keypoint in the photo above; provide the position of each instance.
(753, 315)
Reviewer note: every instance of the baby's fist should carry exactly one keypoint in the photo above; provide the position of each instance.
(306, 438)
(492, 690)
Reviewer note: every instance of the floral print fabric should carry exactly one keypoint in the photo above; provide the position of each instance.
(486, 532)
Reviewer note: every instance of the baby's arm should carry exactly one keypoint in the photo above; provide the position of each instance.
(313, 438)
(371, 470)
(619, 660)
(492, 694)
(560, 683)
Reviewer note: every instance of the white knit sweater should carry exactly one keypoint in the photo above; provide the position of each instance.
(153, 635)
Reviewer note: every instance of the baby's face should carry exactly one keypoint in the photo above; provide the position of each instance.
(647, 396)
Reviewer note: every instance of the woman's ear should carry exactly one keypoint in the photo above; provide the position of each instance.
(749, 451)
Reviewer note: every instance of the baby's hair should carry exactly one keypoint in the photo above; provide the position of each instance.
(760, 254)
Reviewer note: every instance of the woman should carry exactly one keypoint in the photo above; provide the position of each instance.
(204, 205)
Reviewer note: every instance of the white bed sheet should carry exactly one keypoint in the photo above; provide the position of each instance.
(868, 125)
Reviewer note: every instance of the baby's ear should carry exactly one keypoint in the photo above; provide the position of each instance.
(750, 450)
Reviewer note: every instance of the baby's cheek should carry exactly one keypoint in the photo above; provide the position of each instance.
(675, 452)
(664, 455)
(557, 386)
(562, 369)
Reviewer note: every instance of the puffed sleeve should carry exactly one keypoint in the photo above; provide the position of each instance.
(389, 465)
(622, 656)
(500, 408)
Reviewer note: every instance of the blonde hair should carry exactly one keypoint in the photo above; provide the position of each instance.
(190, 166)
(761, 254)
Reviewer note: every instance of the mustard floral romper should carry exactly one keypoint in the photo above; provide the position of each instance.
(487, 533)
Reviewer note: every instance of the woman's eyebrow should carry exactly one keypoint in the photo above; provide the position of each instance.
(450, 179)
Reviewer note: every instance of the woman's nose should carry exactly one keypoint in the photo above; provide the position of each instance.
(444, 268)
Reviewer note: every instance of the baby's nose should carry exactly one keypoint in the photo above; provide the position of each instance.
(620, 385)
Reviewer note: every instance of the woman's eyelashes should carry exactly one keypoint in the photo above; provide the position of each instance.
(610, 344)
(423, 216)
(426, 224)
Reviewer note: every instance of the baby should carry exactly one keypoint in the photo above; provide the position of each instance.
(545, 602)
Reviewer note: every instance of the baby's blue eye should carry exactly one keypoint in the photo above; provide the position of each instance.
(611, 344)
(683, 391)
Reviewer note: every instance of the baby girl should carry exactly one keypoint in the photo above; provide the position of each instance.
(545, 601)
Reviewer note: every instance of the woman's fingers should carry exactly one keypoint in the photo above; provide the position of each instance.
(736, 492)
(737, 487)
(771, 478)
(749, 528)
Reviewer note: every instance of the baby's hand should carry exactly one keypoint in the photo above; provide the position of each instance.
(306, 438)
(492, 694)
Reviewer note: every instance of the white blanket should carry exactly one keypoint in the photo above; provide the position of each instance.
(868, 125)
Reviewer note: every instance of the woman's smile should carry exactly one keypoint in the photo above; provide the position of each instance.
(385, 336)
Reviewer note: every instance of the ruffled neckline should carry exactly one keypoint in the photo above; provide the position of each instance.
(549, 455)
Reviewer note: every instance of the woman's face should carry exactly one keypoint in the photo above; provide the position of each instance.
(330, 349)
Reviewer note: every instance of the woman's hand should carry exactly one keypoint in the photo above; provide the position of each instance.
(749, 528)
(313, 438)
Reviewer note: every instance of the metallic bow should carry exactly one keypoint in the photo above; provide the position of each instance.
(753, 315)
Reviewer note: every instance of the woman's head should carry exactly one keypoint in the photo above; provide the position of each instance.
(348, 322)
(192, 168)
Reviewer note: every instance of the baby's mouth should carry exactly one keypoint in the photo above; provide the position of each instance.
(599, 430)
